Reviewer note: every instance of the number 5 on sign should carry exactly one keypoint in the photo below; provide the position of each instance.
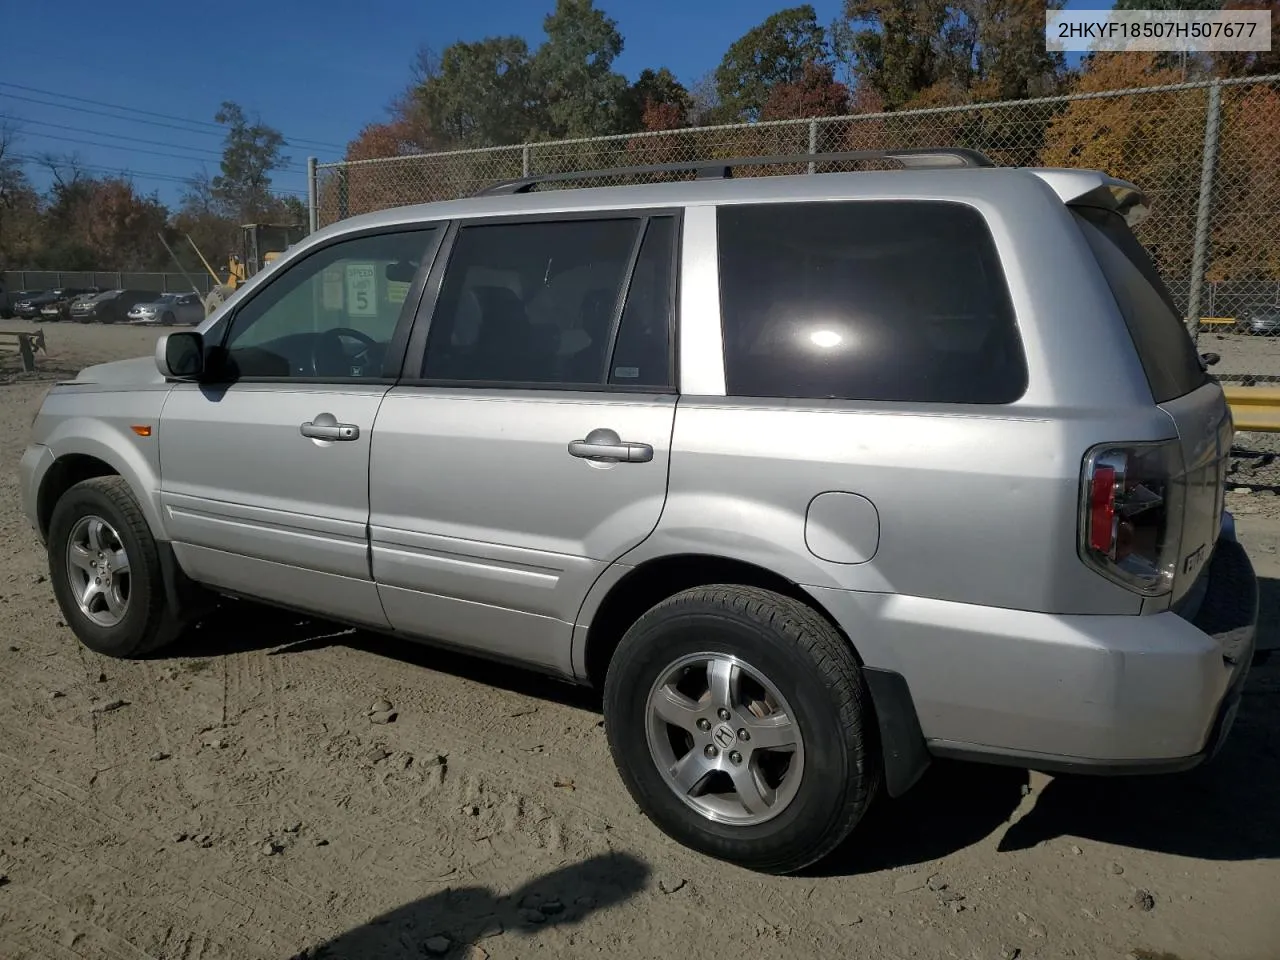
(362, 291)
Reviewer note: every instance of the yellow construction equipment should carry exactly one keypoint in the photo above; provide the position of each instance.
(260, 244)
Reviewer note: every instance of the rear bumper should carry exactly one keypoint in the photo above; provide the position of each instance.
(1096, 694)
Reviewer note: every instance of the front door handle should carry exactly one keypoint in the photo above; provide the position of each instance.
(327, 427)
(604, 446)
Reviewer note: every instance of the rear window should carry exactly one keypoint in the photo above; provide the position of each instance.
(866, 300)
(1164, 345)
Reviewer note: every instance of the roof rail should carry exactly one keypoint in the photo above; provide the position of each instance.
(916, 157)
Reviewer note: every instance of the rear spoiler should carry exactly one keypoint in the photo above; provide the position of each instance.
(1091, 188)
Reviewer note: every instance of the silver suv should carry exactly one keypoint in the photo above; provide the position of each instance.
(816, 476)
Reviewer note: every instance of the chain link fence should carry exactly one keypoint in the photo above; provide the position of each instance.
(158, 281)
(1207, 153)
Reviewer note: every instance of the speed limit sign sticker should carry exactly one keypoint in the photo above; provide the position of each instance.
(362, 290)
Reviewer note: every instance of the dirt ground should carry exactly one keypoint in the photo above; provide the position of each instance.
(233, 800)
(1242, 354)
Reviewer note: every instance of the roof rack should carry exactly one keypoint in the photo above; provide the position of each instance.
(917, 157)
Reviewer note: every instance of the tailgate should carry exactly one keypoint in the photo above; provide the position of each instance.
(1205, 434)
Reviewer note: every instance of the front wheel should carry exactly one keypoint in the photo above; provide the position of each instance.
(105, 570)
(740, 723)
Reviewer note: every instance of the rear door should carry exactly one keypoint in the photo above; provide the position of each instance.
(1178, 380)
(527, 446)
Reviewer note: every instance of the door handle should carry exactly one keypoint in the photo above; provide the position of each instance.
(327, 427)
(604, 446)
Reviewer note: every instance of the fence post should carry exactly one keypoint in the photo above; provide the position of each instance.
(1208, 165)
(524, 161)
(313, 214)
(813, 141)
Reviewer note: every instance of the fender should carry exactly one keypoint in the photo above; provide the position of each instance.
(136, 459)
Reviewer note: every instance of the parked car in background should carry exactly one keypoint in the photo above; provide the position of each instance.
(62, 310)
(35, 307)
(9, 301)
(170, 309)
(110, 306)
(29, 308)
(1262, 319)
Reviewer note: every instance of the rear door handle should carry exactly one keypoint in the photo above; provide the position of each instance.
(604, 446)
(327, 427)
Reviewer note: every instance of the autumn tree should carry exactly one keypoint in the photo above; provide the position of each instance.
(656, 101)
(815, 93)
(933, 52)
(92, 223)
(1250, 63)
(1153, 140)
(1244, 242)
(773, 53)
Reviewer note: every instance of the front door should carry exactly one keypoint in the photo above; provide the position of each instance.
(531, 450)
(265, 472)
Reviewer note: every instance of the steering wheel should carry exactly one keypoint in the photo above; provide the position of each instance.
(328, 349)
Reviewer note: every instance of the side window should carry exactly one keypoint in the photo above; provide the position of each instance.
(530, 302)
(866, 300)
(331, 315)
(642, 353)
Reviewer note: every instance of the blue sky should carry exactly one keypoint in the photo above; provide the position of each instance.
(318, 71)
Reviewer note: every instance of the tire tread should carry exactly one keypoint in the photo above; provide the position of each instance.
(811, 633)
(161, 625)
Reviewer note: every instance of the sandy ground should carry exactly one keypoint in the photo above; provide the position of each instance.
(237, 802)
(1242, 354)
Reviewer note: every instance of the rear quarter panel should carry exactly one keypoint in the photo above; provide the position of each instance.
(976, 504)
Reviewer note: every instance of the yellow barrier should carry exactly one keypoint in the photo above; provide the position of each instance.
(1254, 409)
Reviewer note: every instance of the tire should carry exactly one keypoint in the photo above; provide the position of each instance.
(142, 623)
(167, 320)
(216, 298)
(772, 640)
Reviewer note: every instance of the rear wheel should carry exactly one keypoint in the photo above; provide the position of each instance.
(740, 723)
(105, 570)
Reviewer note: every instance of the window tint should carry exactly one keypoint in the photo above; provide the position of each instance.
(330, 315)
(530, 302)
(642, 354)
(866, 300)
(1164, 345)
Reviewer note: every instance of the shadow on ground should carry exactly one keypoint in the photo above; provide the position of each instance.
(448, 921)
(1228, 809)
(242, 626)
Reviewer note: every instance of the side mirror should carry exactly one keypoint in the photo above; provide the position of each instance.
(180, 356)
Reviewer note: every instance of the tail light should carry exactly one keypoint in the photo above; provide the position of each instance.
(1131, 514)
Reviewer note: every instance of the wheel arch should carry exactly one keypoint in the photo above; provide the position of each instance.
(87, 456)
(63, 474)
(625, 593)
